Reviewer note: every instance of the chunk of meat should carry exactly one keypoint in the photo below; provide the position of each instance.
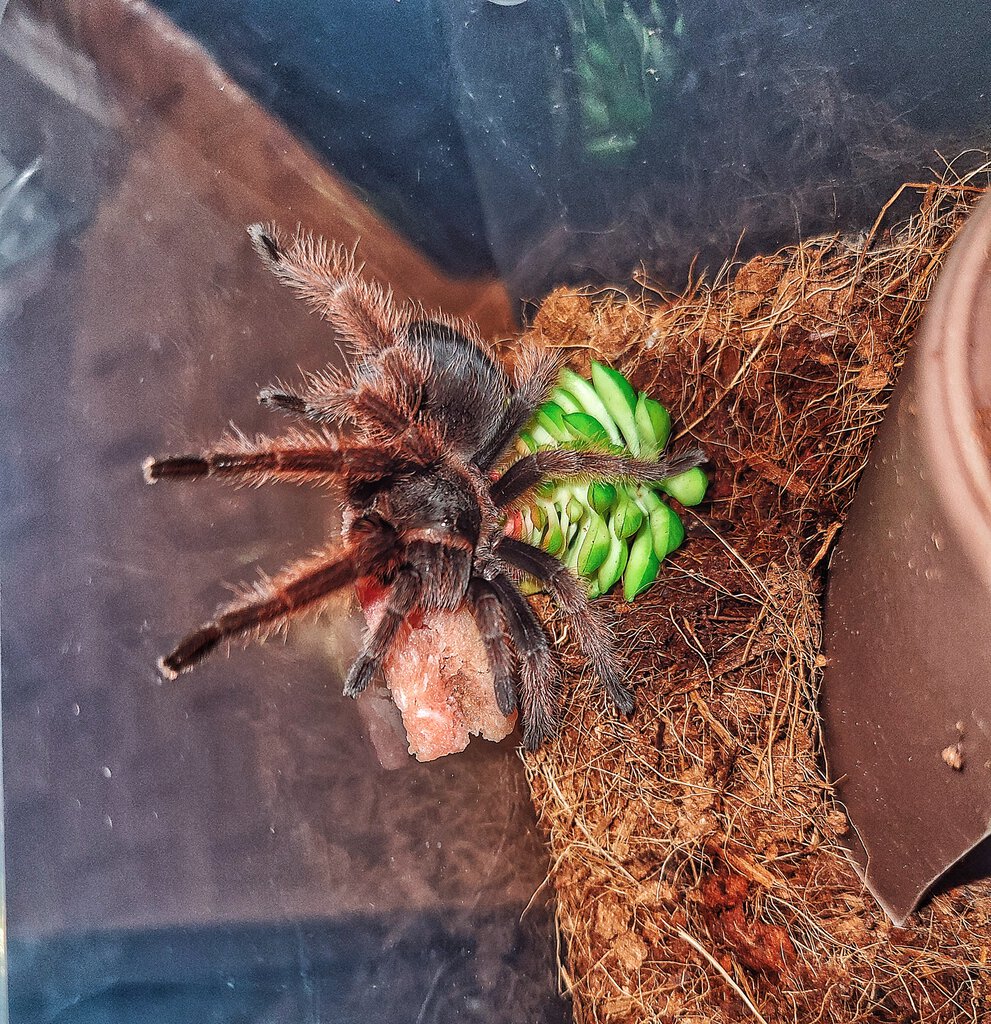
(439, 678)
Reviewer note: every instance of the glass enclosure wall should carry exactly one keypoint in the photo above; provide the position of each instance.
(582, 140)
(230, 847)
(227, 847)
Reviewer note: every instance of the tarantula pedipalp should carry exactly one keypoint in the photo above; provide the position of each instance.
(412, 435)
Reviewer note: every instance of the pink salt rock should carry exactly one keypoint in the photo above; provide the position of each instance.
(439, 678)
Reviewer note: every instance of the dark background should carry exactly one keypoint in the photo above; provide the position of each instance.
(460, 120)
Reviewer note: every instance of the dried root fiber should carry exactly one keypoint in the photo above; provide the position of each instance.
(695, 850)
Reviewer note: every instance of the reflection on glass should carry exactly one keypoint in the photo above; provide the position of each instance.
(226, 847)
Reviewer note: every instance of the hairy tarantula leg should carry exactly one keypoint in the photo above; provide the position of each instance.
(326, 277)
(536, 375)
(335, 404)
(299, 589)
(286, 401)
(299, 458)
(552, 463)
(401, 600)
(488, 614)
(593, 633)
(540, 681)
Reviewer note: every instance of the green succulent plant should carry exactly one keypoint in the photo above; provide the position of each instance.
(604, 531)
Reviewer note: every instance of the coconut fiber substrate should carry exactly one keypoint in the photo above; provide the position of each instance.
(696, 849)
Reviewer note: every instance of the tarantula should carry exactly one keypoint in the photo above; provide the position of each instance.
(415, 434)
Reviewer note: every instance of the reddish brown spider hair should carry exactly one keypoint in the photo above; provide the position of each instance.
(410, 434)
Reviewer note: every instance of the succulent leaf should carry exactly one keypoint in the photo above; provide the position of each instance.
(590, 402)
(654, 424)
(642, 566)
(541, 437)
(660, 517)
(566, 401)
(550, 416)
(584, 427)
(688, 487)
(620, 400)
(601, 496)
(628, 516)
(593, 541)
(615, 562)
(677, 535)
(554, 537)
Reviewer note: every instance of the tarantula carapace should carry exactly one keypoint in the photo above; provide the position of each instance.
(416, 435)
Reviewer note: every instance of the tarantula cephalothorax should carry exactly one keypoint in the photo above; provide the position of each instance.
(412, 434)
